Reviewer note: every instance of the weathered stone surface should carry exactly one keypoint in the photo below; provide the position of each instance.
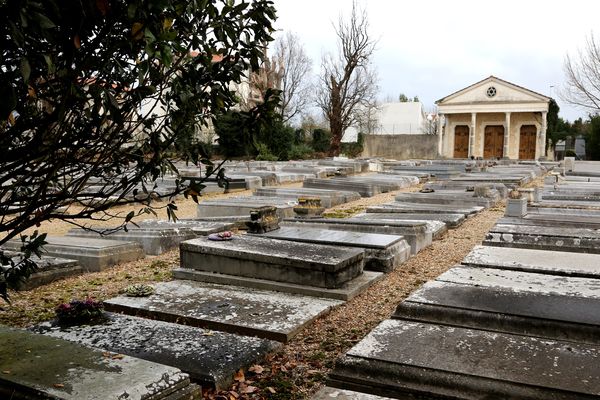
(345, 292)
(209, 357)
(579, 240)
(416, 359)
(365, 189)
(516, 208)
(550, 306)
(49, 269)
(261, 313)
(92, 254)
(451, 220)
(38, 366)
(253, 256)
(154, 239)
(448, 197)
(198, 227)
(539, 261)
(556, 220)
(416, 233)
(382, 252)
(244, 205)
(397, 207)
(329, 393)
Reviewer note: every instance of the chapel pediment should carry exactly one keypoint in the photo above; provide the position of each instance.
(493, 90)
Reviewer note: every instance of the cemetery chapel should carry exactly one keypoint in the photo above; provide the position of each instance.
(493, 119)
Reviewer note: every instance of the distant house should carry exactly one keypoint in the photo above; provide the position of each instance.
(399, 118)
(493, 118)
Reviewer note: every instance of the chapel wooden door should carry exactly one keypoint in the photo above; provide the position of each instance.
(493, 144)
(527, 139)
(461, 141)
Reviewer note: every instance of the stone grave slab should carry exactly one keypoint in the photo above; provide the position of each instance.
(571, 220)
(330, 393)
(555, 307)
(40, 366)
(49, 269)
(329, 198)
(539, 261)
(365, 189)
(397, 207)
(448, 197)
(420, 360)
(91, 253)
(383, 252)
(198, 227)
(243, 206)
(259, 257)
(211, 358)
(578, 240)
(345, 292)
(261, 313)
(451, 220)
(416, 233)
(155, 238)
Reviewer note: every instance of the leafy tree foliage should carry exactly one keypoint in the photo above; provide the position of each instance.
(320, 140)
(592, 142)
(100, 90)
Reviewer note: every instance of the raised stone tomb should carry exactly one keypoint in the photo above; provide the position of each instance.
(449, 197)
(404, 207)
(49, 269)
(258, 257)
(579, 240)
(406, 359)
(555, 307)
(260, 313)
(92, 254)
(451, 220)
(383, 252)
(416, 233)
(38, 366)
(244, 205)
(211, 358)
(539, 261)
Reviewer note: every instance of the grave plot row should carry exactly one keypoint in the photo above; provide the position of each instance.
(516, 321)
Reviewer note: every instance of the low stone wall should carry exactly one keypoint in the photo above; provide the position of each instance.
(401, 147)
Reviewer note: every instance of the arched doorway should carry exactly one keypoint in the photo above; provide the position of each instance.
(493, 144)
(527, 138)
(461, 141)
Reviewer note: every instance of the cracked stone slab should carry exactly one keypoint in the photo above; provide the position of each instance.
(383, 252)
(209, 357)
(244, 311)
(544, 305)
(437, 361)
(580, 240)
(40, 366)
(540, 261)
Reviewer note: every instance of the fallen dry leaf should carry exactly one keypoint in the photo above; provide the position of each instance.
(249, 389)
(6, 372)
(271, 390)
(239, 376)
(118, 357)
(257, 369)
(58, 385)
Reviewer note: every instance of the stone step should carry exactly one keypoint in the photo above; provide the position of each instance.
(345, 292)
(251, 312)
(383, 252)
(578, 240)
(539, 261)
(554, 307)
(416, 233)
(258, 257)
(91, 253)
(38, 366)
(211, 358)
(405, 359)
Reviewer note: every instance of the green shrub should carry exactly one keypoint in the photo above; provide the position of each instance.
(300, 152)
(321, 140)
(264, 154)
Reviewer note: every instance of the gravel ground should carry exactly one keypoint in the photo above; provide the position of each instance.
(301, 367)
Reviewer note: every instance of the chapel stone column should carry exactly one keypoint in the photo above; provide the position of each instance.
(542, 142)
(472, 135)
(506, 135)
(440, 132)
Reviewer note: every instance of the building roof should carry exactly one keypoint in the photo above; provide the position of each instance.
(490, 79)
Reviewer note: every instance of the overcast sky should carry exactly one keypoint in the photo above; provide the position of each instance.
(433, 48)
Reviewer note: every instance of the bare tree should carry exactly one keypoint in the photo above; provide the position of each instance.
(347, 80)
(582, 87)
(367, 118)
(296, 67)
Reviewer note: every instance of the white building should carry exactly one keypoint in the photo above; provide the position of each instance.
(399, 118)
